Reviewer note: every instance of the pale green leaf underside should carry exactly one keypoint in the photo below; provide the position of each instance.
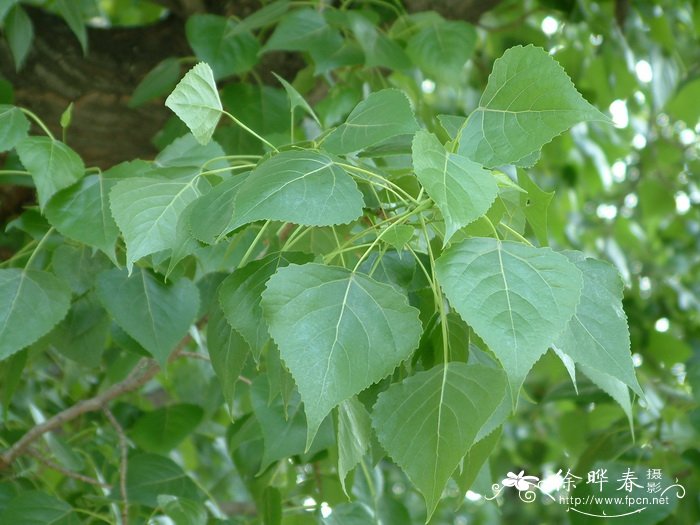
(460, 187)
(32, 302)
(52, 164)
(382, 115)
(613, 387)
(303, 187)
(147, 212)
(14, 126)
(338, 332)
(354, 436)
(196, 101)
(518, 298)
(239, 296)
(428, 422)
(597, 335)
(529, 100)
(156, 315)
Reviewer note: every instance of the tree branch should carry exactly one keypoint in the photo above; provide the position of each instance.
(139, 376)
(123, 462)
(68, 473)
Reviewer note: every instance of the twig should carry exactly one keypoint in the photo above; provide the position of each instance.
(139, 376)
(123, 462)
(68, 473)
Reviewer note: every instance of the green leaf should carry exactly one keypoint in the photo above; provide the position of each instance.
(535, 204)
(303, 187)
(338, 332)
(185, 151)
(380, 51)
(52, 164)
(301, 30)
(81, 212)
(196, 101)
(442, 48)
(264, 16)
(14, 126)
(461, 188)
(147, 212)
(382, 115)
(163, 429)
(517, 298)
(216, 41)
(428, 422)
(156, 315)
(613, 387)
(82, 335)
(212, 213)
(295, 98)
(228, 352)
(239, 296)
(150, 476)
(284, 429)
(597, 335)
(157, 82)
(183, 511)
(72, 13)
(350, 514)
(38, 508)
(475, 459)
(354, 437)
(529, 100)
(19, 32)
(32, 302)
(272, 506)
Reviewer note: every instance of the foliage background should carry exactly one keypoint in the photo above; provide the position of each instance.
(627, 194)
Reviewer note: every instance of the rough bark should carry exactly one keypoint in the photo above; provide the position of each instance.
(104, 130)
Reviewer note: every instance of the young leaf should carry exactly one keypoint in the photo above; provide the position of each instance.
(239, 295)
(19, 32)
(52, 164)
(428, 422)
(442, 48)
(354, 436)
(382, 115)
(529, 100)
(147, 212)
(303, 187)
(81, 212)
(156, 315)
(295, 98)
(338, 332)
(284, 429)
(517, 298)
(196, 101)
(460, 187)
(13, 127)
(157, 82)
(216, 41)
(597, 335)
(32, 302)
(212, 213)
(228, 352)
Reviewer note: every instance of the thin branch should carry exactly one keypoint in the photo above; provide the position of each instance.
(123, 462)
(194, 355)
(139, 376)
(68, 473)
